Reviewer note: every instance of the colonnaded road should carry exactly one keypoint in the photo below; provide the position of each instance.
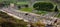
(31, 17)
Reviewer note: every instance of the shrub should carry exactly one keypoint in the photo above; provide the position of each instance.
(5, 3)
(44, 6)
(19, 7)
(26, 5)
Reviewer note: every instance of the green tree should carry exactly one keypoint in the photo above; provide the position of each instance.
(43, 6)
(56, 9)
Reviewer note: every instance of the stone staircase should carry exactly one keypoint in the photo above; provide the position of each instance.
(31, 17)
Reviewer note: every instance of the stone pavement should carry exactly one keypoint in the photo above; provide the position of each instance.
(31, 17)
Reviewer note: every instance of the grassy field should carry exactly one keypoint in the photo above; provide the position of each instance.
(31, 11)
(41, 12)
(26, 9)
(22, 2)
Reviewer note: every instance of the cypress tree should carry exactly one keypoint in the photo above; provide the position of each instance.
(56, 9)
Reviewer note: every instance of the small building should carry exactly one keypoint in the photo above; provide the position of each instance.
(12, 5)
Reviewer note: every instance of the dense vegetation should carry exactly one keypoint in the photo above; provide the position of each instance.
(9, 21)
(43, 6)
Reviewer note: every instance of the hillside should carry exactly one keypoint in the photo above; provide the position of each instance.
(9, 21)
